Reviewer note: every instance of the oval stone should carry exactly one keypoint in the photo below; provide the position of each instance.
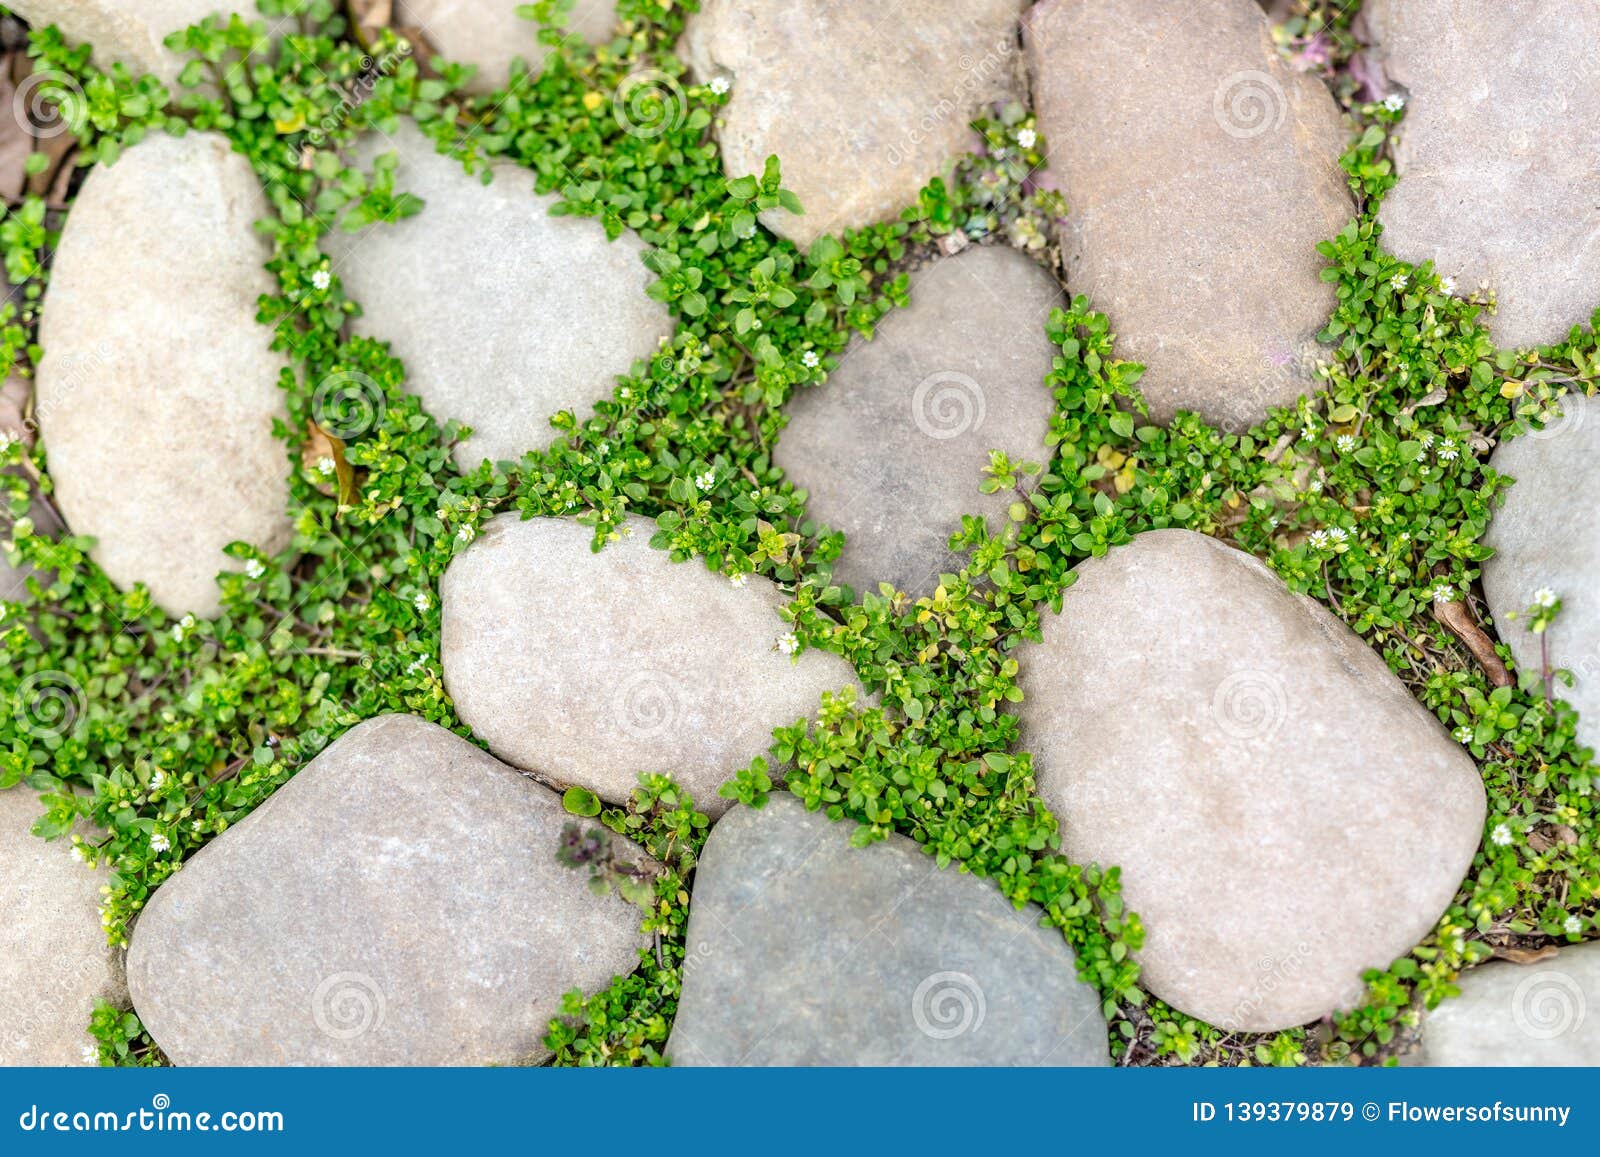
(490, 35)
(130, 32)
(591, 668)
(1284, 813)
(158, 389)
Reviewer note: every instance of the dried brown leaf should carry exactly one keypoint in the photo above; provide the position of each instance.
(1457, 619)
(319, 447)
(1526, 955)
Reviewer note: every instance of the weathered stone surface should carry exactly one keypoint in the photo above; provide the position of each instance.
(158, 391)
(804, 950)
(503, 314)
(1285, 814)
(490, 35)
(861, 104)
(130, 32)
(398, 902)
(591, 668)
(1198, 197)
(893, 447)
(1546, 537)
(1499, 154)
(54, 960)
(1519, 1015)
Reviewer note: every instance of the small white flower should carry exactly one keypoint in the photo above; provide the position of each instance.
(755, 496)
(1346, 443)
(738, 581)
(255, 568)
(706, 481)
(466, 533)
(1426, 438)
(197, 827)
(77, 854)
(748, 232)
(157, 779)
(1394, 102)
(810, 359)
(1027, 138)
(326, 467)
(788, 644)
(1319, 538)
(1338, 533)
(7, 440)
(1316, 486)
(1400, 281)
(1448, 285)
(91, 1054)
(422, 602)
(1447, 450)
(719, 85)
(1405, 536)
(1573, 925)
(1444, 593)
(160, 843)
(1501, 835)
(1463, 734)
(1309, 434)
(1544, 597)
(322, 279)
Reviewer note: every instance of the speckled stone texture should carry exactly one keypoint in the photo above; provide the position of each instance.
(398, 902)
(1285, 814)
(55, 963)
(862, 103)
(1546, 535)
(130, 32)
(1498, 158)
(1519, 1015)
(503, 314)
(591, 668)
(157, 392)
(893, 446)
(804, 950)
(1197, 199)
(489, 33)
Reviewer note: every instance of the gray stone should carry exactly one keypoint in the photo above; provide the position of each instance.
(1519, 1015)
(893, 447)
(591, 668)
(1546, 536)
(862, 104)
(1197, 199)
(503, 314)
(1499, 154)
(130, 32)
(55, 963)
(804, 950)
(158, 389)
(398, 902)
(1284, 813)
(490, 34)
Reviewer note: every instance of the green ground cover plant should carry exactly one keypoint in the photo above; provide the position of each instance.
(1371, 495)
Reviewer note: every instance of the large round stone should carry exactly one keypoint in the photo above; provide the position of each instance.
(1547, 537)
(591, 668)
(55, 964)
(1201, 172)
(1499, 155)
(130, 32)
(503, 314)
(862, 104)
(805, 950)
(490, 34)
(893, 447)
(158, 390)
(1285, 814)
(398, 902)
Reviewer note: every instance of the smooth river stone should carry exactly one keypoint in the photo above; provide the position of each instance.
(1519, 1015)
(1284, 813)
(490, 34)
(131, 32)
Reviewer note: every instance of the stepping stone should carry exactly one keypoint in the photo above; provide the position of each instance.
(55, 963)
(503, 314)
(804, 950)
(893, 447)
(1198, 196)
(1546, 538)
(398, 902)
(591, 668)
(1519, 1015)
(1284, 813)
(863, 104)
(130, 32)
(157, 392)
(1496, 157)
(491, 34)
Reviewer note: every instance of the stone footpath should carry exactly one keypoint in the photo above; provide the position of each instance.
(1284, 813)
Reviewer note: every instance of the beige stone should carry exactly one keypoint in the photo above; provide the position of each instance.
(130, 32)
(158, 389)
(490, 34)
(1284, 813)
(1541, 1014)
(1200, 173)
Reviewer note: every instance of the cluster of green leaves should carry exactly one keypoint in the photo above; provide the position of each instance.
(1371, 495)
